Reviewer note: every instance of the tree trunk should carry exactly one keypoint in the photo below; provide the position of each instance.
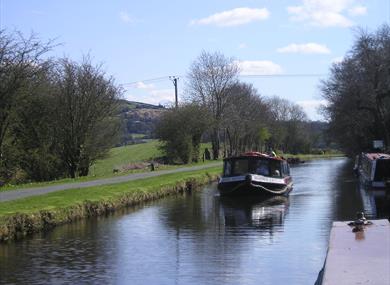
(84, 171)
(215, 143)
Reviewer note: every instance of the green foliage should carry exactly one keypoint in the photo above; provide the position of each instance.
(33, 132)
(264, 134)
(20, 64)
(181, 130)
(56, 117)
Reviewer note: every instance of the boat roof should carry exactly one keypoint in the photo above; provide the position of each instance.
(256, 154)
(375, 156)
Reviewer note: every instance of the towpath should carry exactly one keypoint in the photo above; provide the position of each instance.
(28, 192)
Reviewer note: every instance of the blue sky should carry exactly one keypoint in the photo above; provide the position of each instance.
(141, 40)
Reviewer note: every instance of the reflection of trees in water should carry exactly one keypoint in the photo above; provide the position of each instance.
(203, 211)
(220, 234)
(347, 200)
(186, 212)
(72, 252)
(351, 196)
(376, 202)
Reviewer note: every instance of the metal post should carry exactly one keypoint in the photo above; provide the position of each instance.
(174, 80)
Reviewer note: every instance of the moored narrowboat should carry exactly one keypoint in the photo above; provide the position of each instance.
(255, 173)
(374, 169)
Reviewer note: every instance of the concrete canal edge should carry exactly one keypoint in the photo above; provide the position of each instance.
(20, 225)
(358, 254)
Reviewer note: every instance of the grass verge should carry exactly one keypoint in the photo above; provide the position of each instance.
(117, 158)
(24, 217)
(91, 178)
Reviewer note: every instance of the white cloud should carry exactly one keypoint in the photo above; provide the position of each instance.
(242, 46)
(163, 94)
(311, 103)
(357, 11)
(308, 48)
(155, 97)
(325, 13)
(141, 85)
(258, 67)
(235, 17)
(125, 17)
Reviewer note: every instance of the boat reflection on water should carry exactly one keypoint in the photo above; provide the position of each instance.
(376, 202)
(259, 212)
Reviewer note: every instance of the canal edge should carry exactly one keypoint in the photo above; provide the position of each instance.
(20, 225)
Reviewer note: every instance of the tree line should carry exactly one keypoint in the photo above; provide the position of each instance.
(57, 116)
(358, 93)
(232, 115)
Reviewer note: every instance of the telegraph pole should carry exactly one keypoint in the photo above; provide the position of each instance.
(174, 80)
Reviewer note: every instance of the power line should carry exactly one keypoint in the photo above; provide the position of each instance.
(284, 75)
(163, 78)
(146, 80)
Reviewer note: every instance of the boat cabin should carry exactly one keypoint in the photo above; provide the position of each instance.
(256, 163)
(255, 173)
(375, 168)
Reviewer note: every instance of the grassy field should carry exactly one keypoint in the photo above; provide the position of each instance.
(117, 158)
(121, 156)
(140, 154)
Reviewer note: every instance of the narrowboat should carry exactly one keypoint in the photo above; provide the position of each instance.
(374, 169)
(255, 173)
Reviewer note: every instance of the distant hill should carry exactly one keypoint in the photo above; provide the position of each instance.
(138, 120)
(126, 105)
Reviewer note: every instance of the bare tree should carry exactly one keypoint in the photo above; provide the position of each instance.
(358, 92)
(86, 101)
(210, 77)
(245, 119)
(286, 124)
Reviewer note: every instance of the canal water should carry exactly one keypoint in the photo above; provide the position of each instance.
(200, 238)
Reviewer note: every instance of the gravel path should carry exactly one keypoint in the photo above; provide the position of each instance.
(28, 192)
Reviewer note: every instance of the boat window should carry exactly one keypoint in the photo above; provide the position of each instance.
(382, 172)
(228, 168)
(240, 166)
(262, 167)
(265, 167)
(285, 168)
(275, 169)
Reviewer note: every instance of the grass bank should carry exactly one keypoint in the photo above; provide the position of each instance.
(24, 217)
(10, 187)
(118, 158)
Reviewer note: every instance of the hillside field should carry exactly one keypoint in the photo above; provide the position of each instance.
(124, 155)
